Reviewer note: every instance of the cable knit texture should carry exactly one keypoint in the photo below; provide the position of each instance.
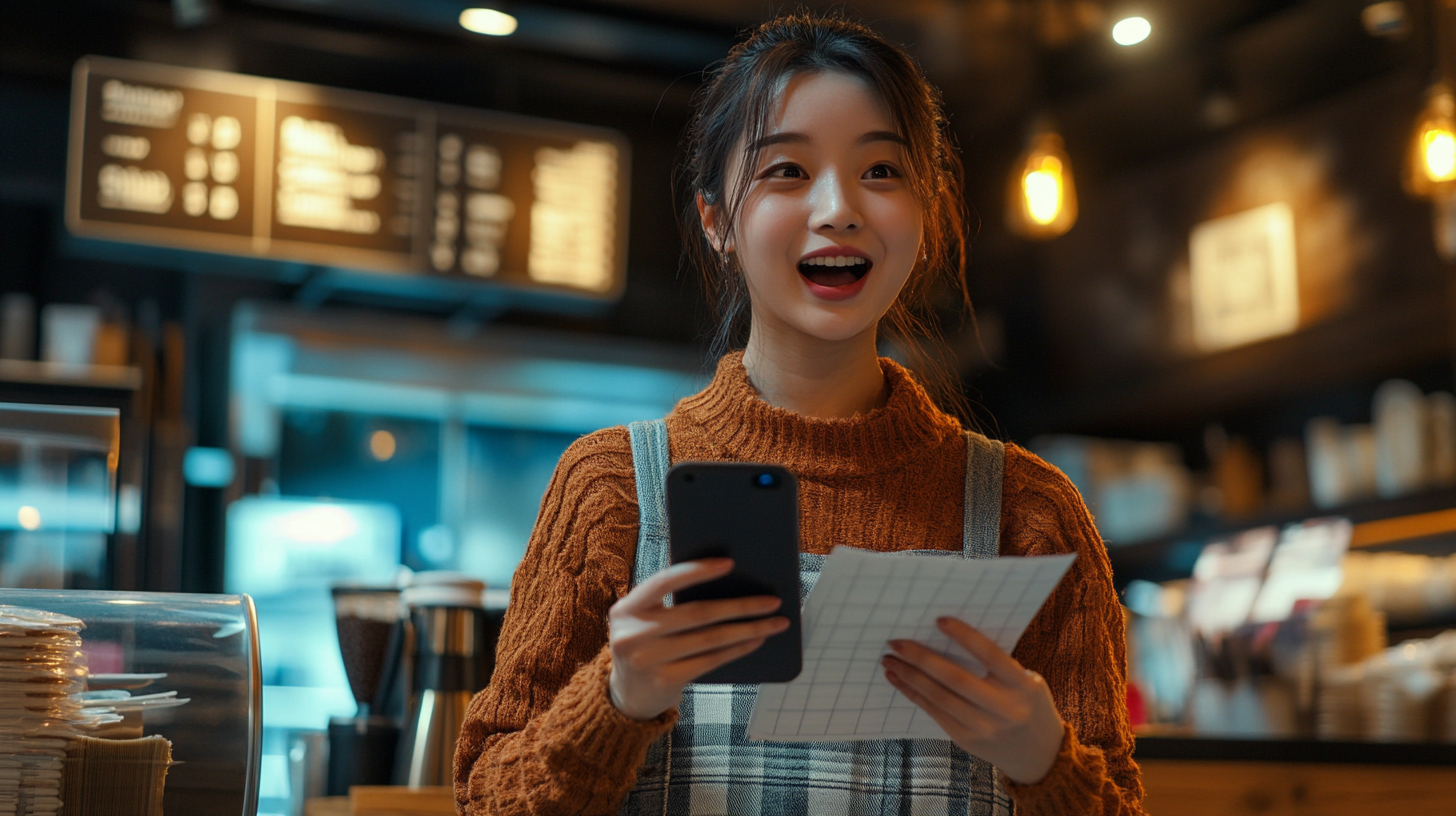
(544, 738)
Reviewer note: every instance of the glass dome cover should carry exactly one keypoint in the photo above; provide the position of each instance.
(128, 702)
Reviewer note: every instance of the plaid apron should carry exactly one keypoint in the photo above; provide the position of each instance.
(706, 766)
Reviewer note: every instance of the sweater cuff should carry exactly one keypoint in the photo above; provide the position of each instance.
(589, 731)
(1071, 786)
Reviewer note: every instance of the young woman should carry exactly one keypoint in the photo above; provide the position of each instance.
(826, 200)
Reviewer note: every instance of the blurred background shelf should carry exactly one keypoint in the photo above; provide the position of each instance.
(1425, 523)
(32, 373)
(1279, 750)
(1421, 629)
(1412, 332)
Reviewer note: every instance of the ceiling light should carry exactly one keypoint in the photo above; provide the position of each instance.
(1388, 19)
(1131, 30)
(487, 21)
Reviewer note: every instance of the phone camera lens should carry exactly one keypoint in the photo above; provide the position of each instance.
(766, 480)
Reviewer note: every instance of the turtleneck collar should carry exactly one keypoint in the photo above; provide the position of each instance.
(744, 427)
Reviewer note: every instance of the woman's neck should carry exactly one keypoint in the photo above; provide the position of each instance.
(815, 377)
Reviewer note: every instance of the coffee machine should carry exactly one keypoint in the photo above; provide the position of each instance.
(414, 658)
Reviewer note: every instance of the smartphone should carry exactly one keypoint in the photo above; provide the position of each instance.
(749, 513)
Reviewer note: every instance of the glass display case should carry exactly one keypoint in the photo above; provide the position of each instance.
(58, 476)
(129, 703)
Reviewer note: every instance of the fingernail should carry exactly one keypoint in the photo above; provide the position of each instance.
(897, 645)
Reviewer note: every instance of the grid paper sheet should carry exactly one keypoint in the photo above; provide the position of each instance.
(863, 600)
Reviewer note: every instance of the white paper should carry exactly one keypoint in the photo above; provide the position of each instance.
(863, 600)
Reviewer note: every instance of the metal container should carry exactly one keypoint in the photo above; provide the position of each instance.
(453, 658)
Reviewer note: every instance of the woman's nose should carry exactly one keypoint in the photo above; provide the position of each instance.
(834, 207)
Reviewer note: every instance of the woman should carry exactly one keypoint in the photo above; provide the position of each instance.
(825, 201)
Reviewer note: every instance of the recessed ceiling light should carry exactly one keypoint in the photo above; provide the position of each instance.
(1131, 30)
(487, 21)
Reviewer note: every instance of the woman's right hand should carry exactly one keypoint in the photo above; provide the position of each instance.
(658, 650)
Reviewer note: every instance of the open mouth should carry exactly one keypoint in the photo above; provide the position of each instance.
(834, 271)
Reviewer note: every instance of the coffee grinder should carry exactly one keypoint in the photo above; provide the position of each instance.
(371, 627)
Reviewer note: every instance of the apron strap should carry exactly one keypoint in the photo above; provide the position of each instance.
(985, 464)
(650, 461)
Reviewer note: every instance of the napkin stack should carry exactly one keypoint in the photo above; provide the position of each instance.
(41, 668)
(108, 777)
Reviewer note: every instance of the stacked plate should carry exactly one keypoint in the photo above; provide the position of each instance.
(41, 668)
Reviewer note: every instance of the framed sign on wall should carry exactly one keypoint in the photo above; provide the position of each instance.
(1245, 279)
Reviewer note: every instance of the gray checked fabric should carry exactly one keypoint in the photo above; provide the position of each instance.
(706, 766)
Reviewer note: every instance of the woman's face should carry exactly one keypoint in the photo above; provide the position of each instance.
(829, 229)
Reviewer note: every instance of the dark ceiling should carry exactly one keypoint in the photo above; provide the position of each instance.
(1209, 65)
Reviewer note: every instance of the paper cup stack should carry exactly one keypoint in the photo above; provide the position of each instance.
(1338, 711)
(41, 667)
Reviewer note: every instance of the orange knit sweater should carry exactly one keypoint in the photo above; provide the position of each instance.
(545, 739)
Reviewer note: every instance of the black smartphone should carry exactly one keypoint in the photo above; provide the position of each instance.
(749, 513)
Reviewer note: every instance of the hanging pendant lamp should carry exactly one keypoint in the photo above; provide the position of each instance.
(1041, 196)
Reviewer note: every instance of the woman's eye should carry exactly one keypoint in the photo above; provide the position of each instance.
(881, 171)
(787, 171)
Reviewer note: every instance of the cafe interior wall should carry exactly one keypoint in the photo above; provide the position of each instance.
(1091, 332)
(1117, 325)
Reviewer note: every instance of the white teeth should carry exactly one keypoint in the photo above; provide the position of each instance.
(836, 260)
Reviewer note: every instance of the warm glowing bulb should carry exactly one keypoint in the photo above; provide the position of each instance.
(1042, 198)
(29, 518)
(1043, 190)
(487, 21)
(1439, 151)
(1430, 165)
(1131, 31)
(381, 445)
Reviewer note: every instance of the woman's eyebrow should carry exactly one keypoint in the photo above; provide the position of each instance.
(882, 136)
(782, 137)
(793, 136)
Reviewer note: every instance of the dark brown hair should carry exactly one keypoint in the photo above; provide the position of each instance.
(733, 109)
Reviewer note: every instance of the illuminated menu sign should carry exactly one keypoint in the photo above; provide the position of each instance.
(237, 164)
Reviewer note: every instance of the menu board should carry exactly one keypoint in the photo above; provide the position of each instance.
(244, 165)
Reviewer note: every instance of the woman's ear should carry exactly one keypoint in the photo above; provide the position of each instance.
(711, 217)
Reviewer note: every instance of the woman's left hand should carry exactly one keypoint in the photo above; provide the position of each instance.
(1007, 718)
